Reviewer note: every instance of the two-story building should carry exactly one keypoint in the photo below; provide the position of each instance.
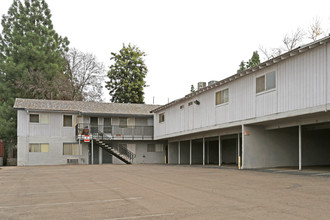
(51, 132)
(272, 115)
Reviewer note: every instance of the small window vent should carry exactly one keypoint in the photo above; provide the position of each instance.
(72, 161)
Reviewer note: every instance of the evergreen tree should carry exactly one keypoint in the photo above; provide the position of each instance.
(241, 66)
(254, 61)
(127, 75)
(192, 88)
(30, 52)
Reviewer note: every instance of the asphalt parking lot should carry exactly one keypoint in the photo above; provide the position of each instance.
(159, 192)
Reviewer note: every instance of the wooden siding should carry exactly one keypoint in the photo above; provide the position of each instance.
(301, 82)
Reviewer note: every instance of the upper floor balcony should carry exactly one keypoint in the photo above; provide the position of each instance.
(115, 132)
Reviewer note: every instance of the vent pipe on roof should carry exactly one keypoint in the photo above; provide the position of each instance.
(211, 82)
(201, 85)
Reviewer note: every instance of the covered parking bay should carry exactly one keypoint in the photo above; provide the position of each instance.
(215, 150)
(305, 145)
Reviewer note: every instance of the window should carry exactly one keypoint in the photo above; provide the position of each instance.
(34, 118)
(44, 118)
(71, 149)
(123, 122)
(266, 82)
(161, 117)
(159, 148)
(222, 97)
(181, 106)
(43, 148)
(39, 118)
(190, 103)
(131, 122)
(67, 120)
(151, 148)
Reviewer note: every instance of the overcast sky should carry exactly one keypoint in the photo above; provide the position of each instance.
(185, 41)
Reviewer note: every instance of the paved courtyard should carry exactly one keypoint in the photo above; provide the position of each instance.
(159, 192)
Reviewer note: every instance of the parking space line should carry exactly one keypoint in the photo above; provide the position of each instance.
(67, 191)
(142, 216)
(69, 184)
(69, 203)
(322, 174)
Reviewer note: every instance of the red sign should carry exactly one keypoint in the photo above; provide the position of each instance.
(87, 138)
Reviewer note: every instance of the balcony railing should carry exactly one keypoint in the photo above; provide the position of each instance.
(116, 132)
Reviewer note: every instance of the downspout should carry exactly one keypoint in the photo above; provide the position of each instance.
(326, 77)
(27, 140)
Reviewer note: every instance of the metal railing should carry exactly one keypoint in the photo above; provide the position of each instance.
(116, 131)
(123, 151)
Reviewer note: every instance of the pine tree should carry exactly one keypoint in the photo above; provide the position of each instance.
(29, 47)
(127, 75)
(254, 61)
(192, 88)
(241, 66)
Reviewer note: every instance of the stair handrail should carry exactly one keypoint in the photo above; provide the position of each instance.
(121, 150)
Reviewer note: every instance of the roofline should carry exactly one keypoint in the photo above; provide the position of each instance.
(265, 64)
(84, 113)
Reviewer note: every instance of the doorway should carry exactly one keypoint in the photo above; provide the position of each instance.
(94, 125)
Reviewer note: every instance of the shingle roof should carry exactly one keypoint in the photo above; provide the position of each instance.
(85, 107)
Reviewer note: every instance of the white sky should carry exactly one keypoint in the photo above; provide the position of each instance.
(185, 41)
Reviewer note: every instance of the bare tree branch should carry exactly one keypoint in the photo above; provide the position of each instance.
(315, 30)
(292, 40)
(86, 75)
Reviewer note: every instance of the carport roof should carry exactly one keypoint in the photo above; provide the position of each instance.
(270, 62)
(84, 107)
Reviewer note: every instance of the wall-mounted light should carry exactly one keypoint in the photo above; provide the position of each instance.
(197, 102)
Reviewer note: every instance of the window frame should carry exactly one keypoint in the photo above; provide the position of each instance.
(161, 117)
(72, 149)
(121, 119)
(34, 114)
(64, 121)
(220, 92)
(151, 148)
(39, 147)
(265, 90)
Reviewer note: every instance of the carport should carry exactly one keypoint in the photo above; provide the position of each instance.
(216, 150)
(298, 146)
(315, 144)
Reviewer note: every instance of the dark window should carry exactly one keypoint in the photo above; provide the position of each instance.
(161, 117)
(67, 120)
(34, 118)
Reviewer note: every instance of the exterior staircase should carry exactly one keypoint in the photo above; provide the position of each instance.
(118, 151)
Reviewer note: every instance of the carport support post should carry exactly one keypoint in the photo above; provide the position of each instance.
(299, 147)
(190, 159)
(239, 151)
(79, 151)
(220, 151)
(179, 145)
(92, 152)
(203, 151)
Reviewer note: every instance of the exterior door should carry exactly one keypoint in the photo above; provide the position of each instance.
(107, 126)
(94, 125)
